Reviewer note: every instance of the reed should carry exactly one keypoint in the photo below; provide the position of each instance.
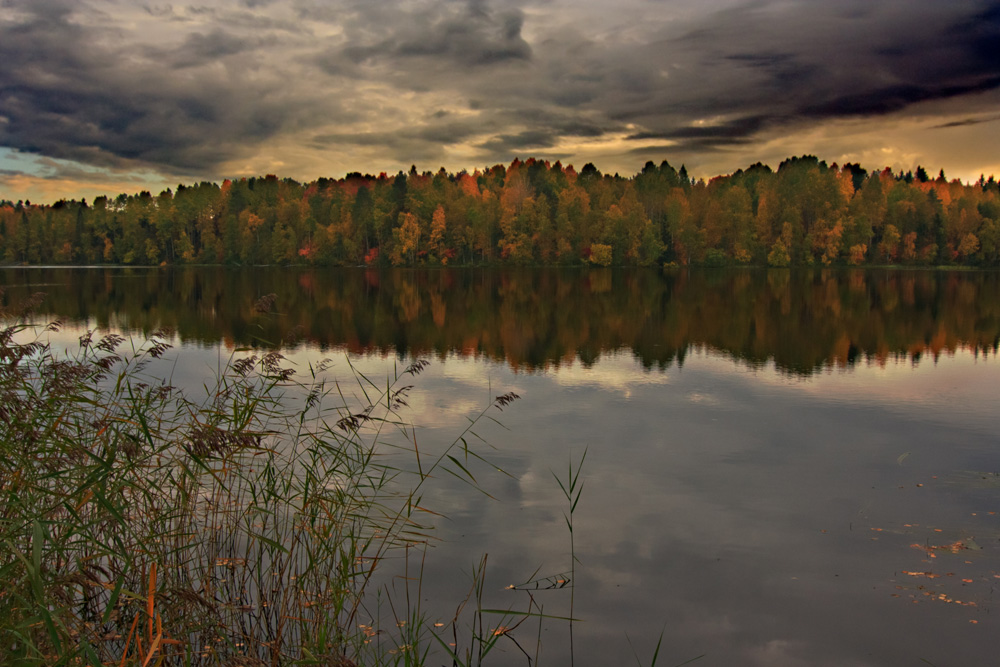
(572, 488)
(141, 525)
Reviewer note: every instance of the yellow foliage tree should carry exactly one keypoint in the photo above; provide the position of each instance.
(779, 255)
(406, 237)
(857, 254)
(831, 245)
(889, 246)
(910, 246)
(968, 246)
(436, 242)
(600, 254)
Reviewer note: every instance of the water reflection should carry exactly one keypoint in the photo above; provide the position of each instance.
(780, 510)
(534, 319)
(760, 519)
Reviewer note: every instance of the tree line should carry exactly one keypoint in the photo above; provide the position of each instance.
(531, 212)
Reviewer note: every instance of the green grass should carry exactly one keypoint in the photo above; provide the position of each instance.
(247, 525)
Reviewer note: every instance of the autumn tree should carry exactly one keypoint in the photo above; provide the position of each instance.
(406, 240)
(530, 212)
(436, 243)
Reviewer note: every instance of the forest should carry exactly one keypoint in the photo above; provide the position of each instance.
(531, 212)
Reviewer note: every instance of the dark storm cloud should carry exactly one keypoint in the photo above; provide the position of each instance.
(965, 122)
(448, 35)
(783, 69)
(982, 34)
(199, 48)
(77, 91)
(891, 98)
(765, 65)
(474, 37)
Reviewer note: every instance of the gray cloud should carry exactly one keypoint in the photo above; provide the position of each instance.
(74, 91)
(55, 170)
(735, 129)
(200, 48)
(521, 140)
(968, 121)
(424, 41)
(773, 65)
(195, 87)
(165, 10)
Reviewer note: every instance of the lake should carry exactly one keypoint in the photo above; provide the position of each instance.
(782, 467)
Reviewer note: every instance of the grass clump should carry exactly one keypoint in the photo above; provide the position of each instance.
(141, 526)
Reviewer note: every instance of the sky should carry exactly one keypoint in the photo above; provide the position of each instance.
(110, 96)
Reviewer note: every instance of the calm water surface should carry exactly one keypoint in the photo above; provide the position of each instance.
(776, 461)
